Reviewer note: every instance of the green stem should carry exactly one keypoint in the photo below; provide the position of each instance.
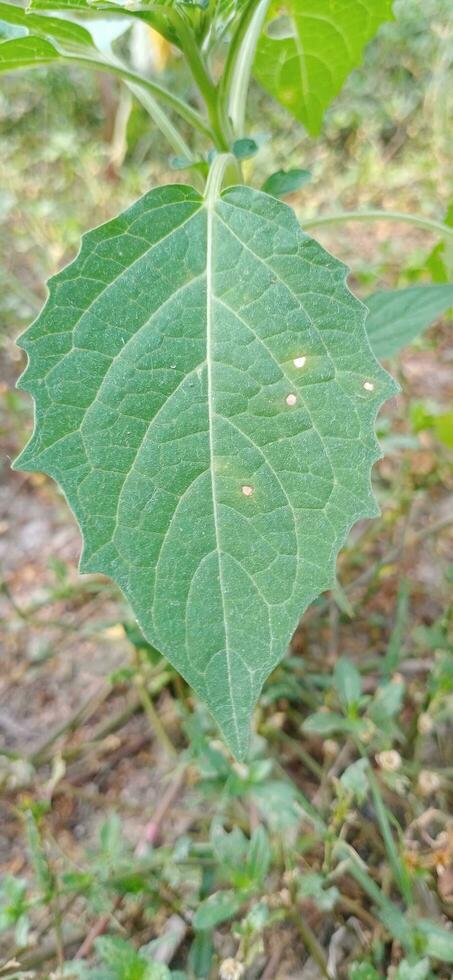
(400, 875)
(201, 76)
(238, 66)
(399, 871)
(414, 219)
(222, 165)
(358, 871)
(149, 709)
(183, 110)
(160, 118)
(311, 943)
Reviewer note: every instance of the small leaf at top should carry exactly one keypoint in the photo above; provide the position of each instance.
(286, 182)
(245, 148)
(205, 396)
(309, 47)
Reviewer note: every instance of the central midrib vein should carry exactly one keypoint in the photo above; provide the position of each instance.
(210, 207)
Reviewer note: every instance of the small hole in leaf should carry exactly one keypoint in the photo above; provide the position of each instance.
(299, 361)
(291, 399)
(369, 386)
(247, 491)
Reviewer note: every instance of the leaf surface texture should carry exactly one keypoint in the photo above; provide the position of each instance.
(205, 396)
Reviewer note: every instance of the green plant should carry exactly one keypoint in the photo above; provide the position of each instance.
(205, 387)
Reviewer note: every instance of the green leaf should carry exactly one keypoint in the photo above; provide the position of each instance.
(413, 971)
(14, 907)
(354, 780)
(205, 396)
(201, 954)
(286, 182)
(315, 886)
(124, 963)
(26, 52)
(258, 856)
(55, 30)
(397, 316)
(363, 971)
(387, 703)
(440, 261)
(443, 427)
(278, 804)
(245, 148)
(326, 723)
(218, 908)
(348, 682)
(438, 942)
(309, 47)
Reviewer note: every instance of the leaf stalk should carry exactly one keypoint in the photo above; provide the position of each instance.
(333, 219)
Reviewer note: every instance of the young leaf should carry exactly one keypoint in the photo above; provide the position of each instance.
(354, 780)
(245, 148)
(440, 261)
(326, 723)
(219, 907)
(397, 316)
(285, 182)
(259, 855)
(205, 396)
(124, 963)
(438, 942)
(309, 47)
(363, 971)
(201, 954)
(408, 970)
(313, 885)
(348, 682)
(26, 52)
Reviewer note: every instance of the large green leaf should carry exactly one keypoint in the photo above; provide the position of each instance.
(205, 396)
(309, 47)
(397, 316)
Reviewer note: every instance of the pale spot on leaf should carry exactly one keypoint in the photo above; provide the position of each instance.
(247, 491)
(291, 399)
(299, 361)
(369, 386)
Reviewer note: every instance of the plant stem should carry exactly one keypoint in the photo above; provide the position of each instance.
(160, 118)
(223, 165)
(150, 711)
(201, 77)
(358, 870)
(98, 929)
(414, 219)
(238, 67)
(311, 943)
(59, 944)
(399, 872)
(181, 108)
